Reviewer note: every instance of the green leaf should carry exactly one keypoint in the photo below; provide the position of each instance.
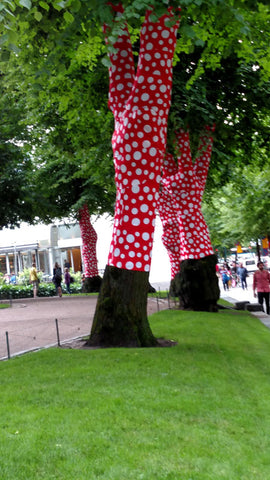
(68, 17)
(14, 48)
(38, 16)
(26, 3)
(44, 5)
(59, 5)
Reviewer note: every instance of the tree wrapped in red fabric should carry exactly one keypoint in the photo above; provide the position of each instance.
(195, 282)
(169, 217)
(140, 103)
(89, 252)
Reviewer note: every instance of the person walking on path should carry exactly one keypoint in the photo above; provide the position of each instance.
(243, 274)
(225, 275)
(67, 280)
(261, 284)
(34, 279)
(57, 279)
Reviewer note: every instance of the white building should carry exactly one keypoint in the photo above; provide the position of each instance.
(56, 243)
(47, 244)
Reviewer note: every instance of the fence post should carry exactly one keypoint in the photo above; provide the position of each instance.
(8, 350)
(157, 303)
(168, 296)
(57, 332)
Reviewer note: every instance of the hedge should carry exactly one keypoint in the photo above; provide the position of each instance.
(26, 291)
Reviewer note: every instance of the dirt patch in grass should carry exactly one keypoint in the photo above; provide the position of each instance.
(80, 344)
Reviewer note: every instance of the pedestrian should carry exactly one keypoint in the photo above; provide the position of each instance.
(243, 274)
(13, 279)
(66, 264)
(67, 280)
(57, 279)
(261, 284)
(235, 277)
(225, 276)
(34, 279)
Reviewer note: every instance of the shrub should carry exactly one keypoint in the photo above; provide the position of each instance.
(15, 291)
(26, 291)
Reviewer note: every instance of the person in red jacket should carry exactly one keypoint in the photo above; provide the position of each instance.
(261, 284)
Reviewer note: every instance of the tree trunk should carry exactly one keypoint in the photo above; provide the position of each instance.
(121, 313)
(92, 284)
(196, 284)
(140, 102)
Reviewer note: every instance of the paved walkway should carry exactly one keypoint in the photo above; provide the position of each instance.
(31, 324)
(237, 294)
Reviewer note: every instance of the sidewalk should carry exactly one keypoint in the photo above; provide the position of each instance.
(31, 324)
(237, 294)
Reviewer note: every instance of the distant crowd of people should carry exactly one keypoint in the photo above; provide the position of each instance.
(233, 275)
(237, 274)
(57, 278)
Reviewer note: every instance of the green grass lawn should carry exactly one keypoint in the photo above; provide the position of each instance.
(196, 411)
(4, 305)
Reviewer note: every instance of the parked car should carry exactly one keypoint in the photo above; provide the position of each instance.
(250, 264)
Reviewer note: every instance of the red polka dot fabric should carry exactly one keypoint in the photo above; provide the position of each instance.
(186, 235)
(89, 243)
(169, 217)
(140, 103)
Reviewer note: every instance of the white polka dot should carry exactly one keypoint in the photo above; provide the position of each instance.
(129, 265)
(145, 97)
(135, 186)
(145, 236)
(137, 155)
(144, 208)
(130, 238)
(136, 222)
(147, 128)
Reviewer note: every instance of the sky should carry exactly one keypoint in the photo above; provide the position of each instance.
(160, 267)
